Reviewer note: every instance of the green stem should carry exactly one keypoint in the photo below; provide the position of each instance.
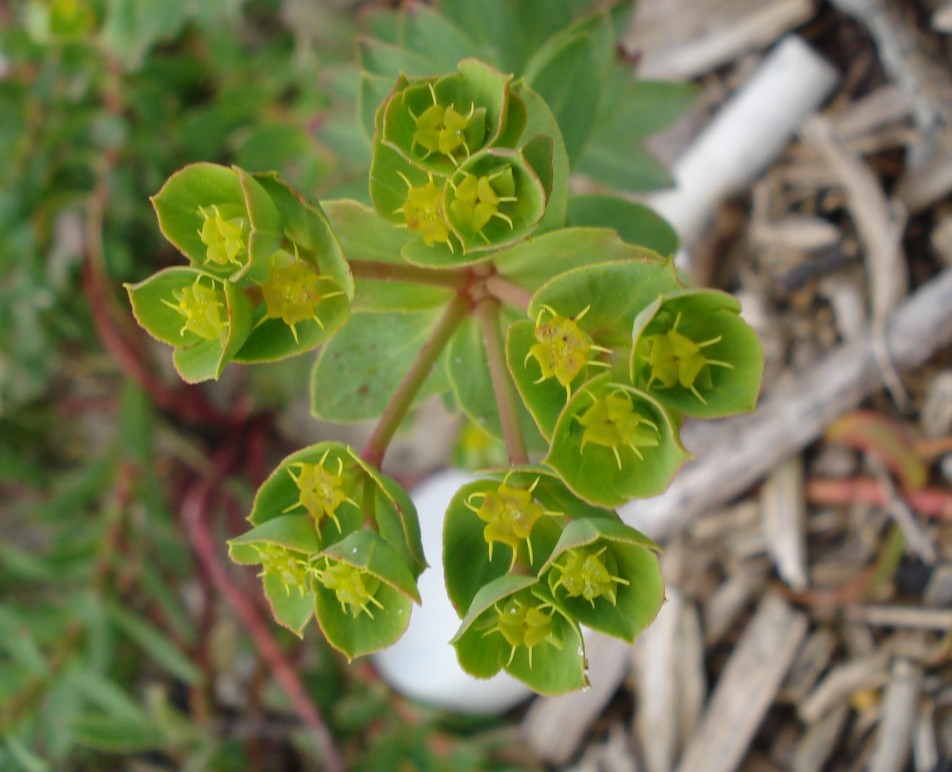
(380, 270)
(402, 398)
(487, 314)
(508, 292)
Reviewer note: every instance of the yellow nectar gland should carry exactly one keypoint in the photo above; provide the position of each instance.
(584, 574)
(477, 199)
(612, 422)
(292, 294)
(675, 359)
(423, 212)
(510, 515)
(523, 625)
(224, 239)
(442, 129)
(288, 567)
(321, 491)
(202, 309)
(354, 587)
(563, 349)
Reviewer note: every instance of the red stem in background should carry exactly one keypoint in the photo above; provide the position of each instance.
(933, 502)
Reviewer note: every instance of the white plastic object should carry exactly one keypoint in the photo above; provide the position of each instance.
(422, 664)
(749, 132)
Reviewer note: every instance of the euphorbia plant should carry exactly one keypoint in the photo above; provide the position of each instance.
(474, 276)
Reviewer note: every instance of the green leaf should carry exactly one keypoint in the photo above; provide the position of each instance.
(541, 122)
(511, 221)
(381, 623)
(719, 369)
(637, 461)
(357, 371)
(535, 261)
(628, 556)
(564, 73)
(112, 734)
(156, 645)
(468, 373)
(486, 661)
(105, 693)
(635, 223)
(630, 168)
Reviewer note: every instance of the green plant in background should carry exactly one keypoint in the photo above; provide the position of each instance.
(570, 338)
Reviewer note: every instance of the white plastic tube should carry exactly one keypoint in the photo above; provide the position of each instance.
(748, 133)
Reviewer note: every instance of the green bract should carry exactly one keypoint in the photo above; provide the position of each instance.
(557, 325)
(514, 624)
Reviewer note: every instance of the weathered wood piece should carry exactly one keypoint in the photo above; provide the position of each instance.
(556, 727)
(680, 39)
(746, 687)
(784, 516)
(900, 711)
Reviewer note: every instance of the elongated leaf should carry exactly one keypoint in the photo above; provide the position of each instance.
(635, 223)
(117, 735)
(357, 371)
(159, 648)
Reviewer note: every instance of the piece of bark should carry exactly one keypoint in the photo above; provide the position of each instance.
(899, 714)
(733, 454)
(784, 517)
(656, 665)
(840, 683)
(681, 40)
(902, 616)
(879, 224)
(812, 659)
(925, 744)
(556, 727)
(819, 741)
(746, 687)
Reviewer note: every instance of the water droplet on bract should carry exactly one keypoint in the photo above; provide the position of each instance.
(579, 651)
(354, 551)
(458, 360)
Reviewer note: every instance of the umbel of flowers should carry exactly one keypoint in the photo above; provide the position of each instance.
(477, 277)
(266, 278)
(455, 164)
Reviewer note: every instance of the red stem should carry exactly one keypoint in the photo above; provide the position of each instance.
(933, 502)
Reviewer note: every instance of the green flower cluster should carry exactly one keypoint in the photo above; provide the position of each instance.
(266, 277)
(337, 540)
(610, 402)
(459, 161)
(564, 563)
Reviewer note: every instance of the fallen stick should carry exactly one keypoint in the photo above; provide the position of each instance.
(734, 454)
